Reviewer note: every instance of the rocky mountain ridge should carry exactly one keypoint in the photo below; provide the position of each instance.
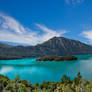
(58, 46)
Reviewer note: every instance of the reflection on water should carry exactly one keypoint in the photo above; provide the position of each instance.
(46, 71)
(5, 69)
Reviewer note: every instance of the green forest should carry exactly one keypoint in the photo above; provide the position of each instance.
(78, 84)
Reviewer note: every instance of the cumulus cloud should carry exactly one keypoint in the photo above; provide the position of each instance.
(88, 35)
(12, 31)
(74, 2)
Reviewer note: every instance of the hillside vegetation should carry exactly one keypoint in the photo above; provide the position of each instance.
(78, 84)
(56, 58)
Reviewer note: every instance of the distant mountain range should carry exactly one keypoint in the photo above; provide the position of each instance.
(58, 46)
(4, 45)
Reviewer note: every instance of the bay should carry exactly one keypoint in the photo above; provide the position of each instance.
(46, 71)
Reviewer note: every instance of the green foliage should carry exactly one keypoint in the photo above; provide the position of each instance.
(17, 78)
(65, 79)
(56, 58)
(65, 85)
(79, 75)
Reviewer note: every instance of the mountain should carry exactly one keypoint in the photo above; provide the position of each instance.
(59, 46)
(4, 45)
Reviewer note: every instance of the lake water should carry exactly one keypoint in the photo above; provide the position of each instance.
(46, 71)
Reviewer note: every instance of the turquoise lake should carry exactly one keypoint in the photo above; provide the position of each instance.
(46, 71)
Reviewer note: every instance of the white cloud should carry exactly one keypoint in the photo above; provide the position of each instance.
(74, 2)
(10, 23)
(12, 31)
(67, 1)
(48, 33)
(88, 35)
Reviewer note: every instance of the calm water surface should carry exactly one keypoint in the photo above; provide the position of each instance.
(46, 71)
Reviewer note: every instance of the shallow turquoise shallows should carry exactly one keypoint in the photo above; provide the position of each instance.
(46, 71)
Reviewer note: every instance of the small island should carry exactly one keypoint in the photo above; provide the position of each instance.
(56, 58)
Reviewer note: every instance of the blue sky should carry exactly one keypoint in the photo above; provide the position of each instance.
(35, 21)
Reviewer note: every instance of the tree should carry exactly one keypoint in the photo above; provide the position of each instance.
(79, 75)
(16, 82)
(65, 79)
